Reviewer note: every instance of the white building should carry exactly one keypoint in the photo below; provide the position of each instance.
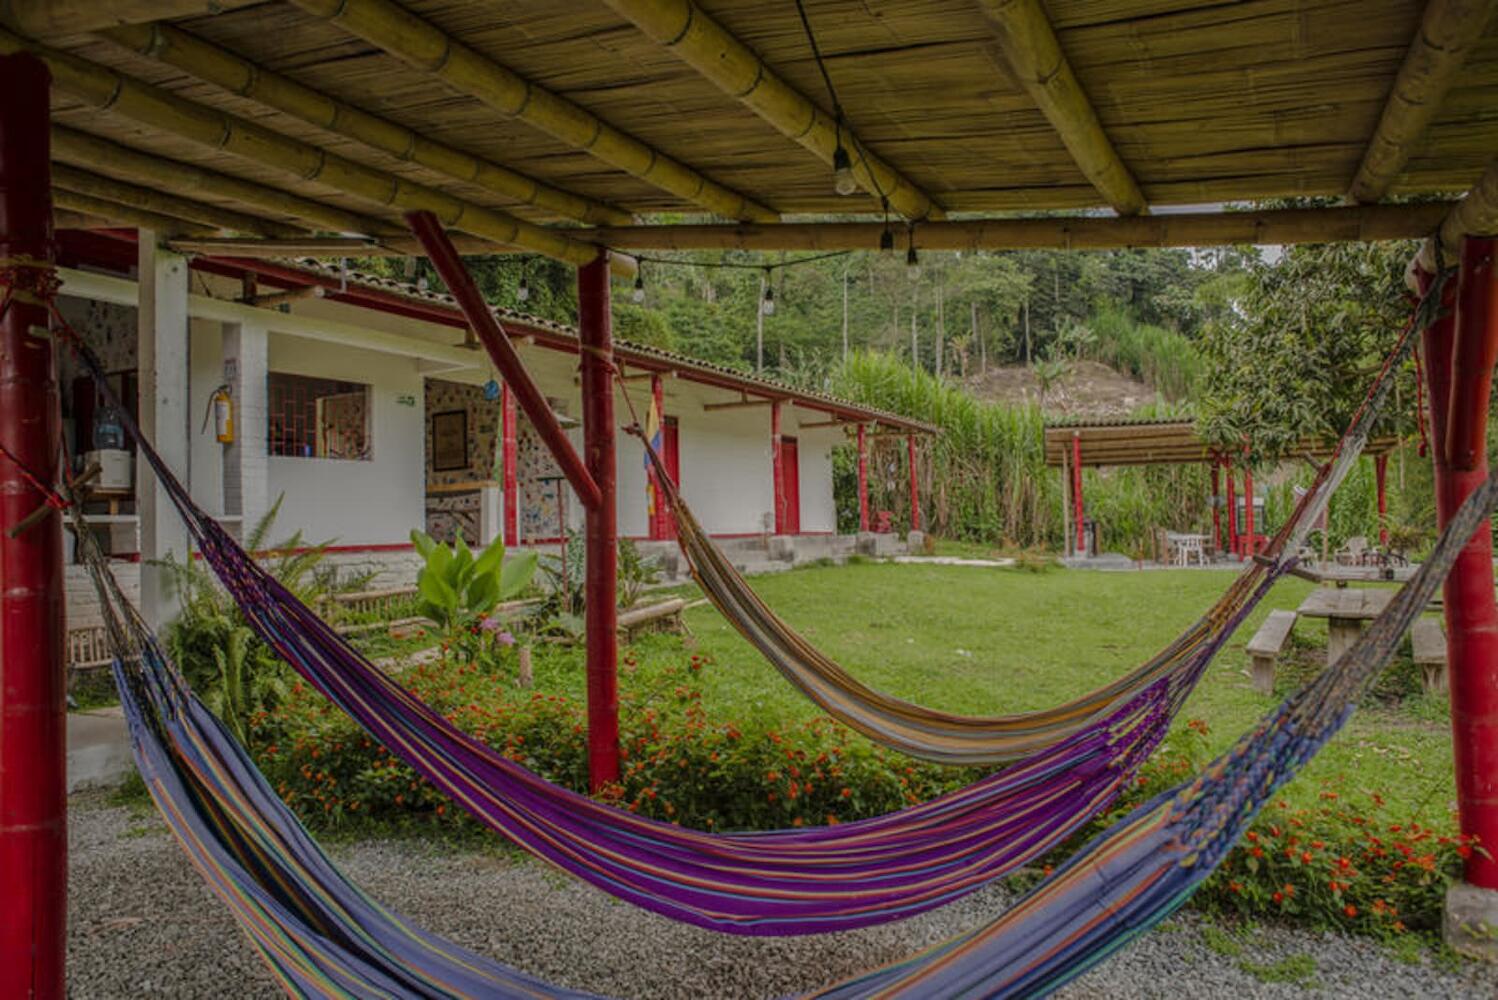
(355, 401)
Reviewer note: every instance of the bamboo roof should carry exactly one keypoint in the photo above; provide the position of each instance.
(1130, 441)
(565, 113)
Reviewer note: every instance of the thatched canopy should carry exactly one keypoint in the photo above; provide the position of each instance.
(514, 120)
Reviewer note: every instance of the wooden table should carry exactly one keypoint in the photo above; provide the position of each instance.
(1345, 610)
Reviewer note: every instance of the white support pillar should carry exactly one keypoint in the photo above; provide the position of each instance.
(246, 467)
(163, 343)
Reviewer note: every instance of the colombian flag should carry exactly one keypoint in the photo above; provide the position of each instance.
(654, 436)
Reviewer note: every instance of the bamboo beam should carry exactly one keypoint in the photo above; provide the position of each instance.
(1448, 31)
(44, 18)
(1035, 56)
(310, 246)
(127, 215)
(108, 90)
(63, 218)
(738, 404)
(149, 200)
(1475, 215)
(237, 75)
(1315, 225)
(709, 48)
(426, 47)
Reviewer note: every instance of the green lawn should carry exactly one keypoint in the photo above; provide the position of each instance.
(981, 641)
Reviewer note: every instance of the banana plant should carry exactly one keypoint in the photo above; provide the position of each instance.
(455, 586)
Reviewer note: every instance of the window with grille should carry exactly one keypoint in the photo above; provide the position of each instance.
(317, 417)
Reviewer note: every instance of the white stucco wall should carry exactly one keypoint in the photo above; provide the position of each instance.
(205, 369)
(347, 502)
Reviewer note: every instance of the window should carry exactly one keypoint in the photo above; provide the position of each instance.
(318, 417)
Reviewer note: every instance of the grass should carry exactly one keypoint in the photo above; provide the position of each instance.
(983, 641)
(1296, 970)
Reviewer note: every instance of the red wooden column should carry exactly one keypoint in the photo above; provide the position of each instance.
(915, 483)
(1380, 481)
(600, 530)
(33, 817)
(777, 467)
(509, 462)
(1250, 547)
(1227, 468)
(1076, 491)
(863, 478)
(1459, 352)
(1216, 504)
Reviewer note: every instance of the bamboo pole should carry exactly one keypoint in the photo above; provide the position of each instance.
(108, 90)
(423, 45)
(1448, 31)
(148, 200)
(129, 216)
(81, 148)
(1290, 225)
(709, 48)
(1035, 56)
(43, 18)
(233, 73)
(1476, 214)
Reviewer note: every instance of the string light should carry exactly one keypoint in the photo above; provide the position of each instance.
(912, 259)
(886, 238)
(639, 293)
(523, 293)
(842, 168)
(767, 306)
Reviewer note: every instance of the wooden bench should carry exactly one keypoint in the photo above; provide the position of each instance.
(1264, 648)
(662, 617)
(1428, 643)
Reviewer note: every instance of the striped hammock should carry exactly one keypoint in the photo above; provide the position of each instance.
(322, 937)
(784, 882)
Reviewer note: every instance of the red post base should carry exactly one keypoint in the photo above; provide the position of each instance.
(33, 726)
(600, 534)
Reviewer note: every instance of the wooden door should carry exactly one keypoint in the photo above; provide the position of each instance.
(790, 474)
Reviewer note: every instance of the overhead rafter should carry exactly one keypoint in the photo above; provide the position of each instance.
(423, 45)
(128, 215)
(709, 48)
(1475, 215)
(1034, 54)
(45, 18)
(1448, 31)
(150, 200)
(222, 68)
(1290, 225)
(112, 91)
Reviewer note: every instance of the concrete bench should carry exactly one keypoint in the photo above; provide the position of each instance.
(1428, 643)
(1264, 648)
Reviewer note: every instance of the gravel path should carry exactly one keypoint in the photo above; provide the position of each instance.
(142, 923)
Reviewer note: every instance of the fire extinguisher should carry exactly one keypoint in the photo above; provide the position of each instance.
(221, 411)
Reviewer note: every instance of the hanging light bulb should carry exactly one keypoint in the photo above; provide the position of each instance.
(639, 293)
(886, 238)
(523, 293)
(767, 306)
(913, 261)
(842, 172)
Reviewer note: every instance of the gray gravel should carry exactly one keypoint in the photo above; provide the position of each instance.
(143, 924)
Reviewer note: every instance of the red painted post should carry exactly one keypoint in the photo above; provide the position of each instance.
(1216, 505)
(510, 463)
(915, 483)
(33, 816)
(444, 257)
(1460, 351)
(1076, 491)
(600, 531)
(1251, 546)
(863, 479)
(777, 468)
(1227, 468)
(1380, 482)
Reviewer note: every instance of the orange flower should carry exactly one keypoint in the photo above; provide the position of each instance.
(1350, 910)
(1278, 897)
